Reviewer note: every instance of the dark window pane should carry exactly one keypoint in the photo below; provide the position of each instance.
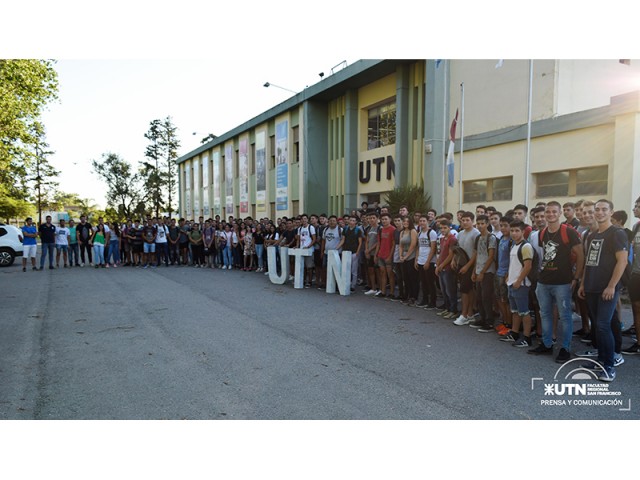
(553, 191)
(552, 184)
(475, 191)
(597, 174)
(592, 188)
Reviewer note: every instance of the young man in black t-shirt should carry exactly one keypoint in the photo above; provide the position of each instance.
(606, 260)
(556, 280)
(47, 233)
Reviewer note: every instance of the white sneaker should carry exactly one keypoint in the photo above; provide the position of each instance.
(371, 292)
(461, 320)
(291, 278)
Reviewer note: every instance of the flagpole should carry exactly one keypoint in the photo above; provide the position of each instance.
(461, 144)
(527, 167)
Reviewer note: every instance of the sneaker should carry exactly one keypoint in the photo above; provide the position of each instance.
(107, 265)
(379, 294)
(442, 313)
(607, 375)
(51, 267)
(461, 320)
(502, 329)
(563, 356)
(393, 298)
(430, 308)
(541, 350)
(631, 331)
(34, 268)
(24, 269)
(370, 292)
(450, 315)
(66, 266)
(477, 323)
(594, 367)
(421, 305)
(291, 277)
(586, 338)
(98, 266)
(632, 350)
(618, 359)
(82, 264)
(146, 266)
(579, 333)
(588, 353)
(307, 285)
(522, 343)
(486, 328)
(509, 337)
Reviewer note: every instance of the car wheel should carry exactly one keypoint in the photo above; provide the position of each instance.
(6, 257)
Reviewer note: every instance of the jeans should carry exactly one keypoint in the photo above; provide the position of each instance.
(114, 251)
(259, 253)
(174, 254)
(561, 296)
(449, 290)
(227, 256)
(98, 253)
(601, 312)
(85, 247)
(50, 248)
(485, 298)
(428, 282)
(74, 251)
(162, 253)
(354, 269)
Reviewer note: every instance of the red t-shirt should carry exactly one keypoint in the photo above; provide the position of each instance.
(385, 239)
(445, 245)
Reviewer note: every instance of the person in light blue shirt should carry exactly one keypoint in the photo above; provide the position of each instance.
(29, 243)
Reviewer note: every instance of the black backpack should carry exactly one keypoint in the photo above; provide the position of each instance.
(535, 261)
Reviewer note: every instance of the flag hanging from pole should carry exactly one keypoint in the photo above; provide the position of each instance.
(452, 138)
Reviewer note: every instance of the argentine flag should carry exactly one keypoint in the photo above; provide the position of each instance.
(452, 137)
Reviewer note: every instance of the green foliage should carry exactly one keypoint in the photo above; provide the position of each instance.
(412, 196)
(26, 86)
(124, 186)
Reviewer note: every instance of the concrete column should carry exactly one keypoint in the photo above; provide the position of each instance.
(402, 125)
(624, 172)
(436, 125)
(351, 151)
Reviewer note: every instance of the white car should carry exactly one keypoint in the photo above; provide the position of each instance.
(10, 244)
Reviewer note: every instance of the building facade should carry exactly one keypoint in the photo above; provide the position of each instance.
(378, 124)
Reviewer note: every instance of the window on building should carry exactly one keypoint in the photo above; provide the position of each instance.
(296, 145)
(570, 183)
(272, 149)
(381, 128)
(488, 190)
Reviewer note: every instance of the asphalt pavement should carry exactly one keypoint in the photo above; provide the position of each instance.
(189, 343)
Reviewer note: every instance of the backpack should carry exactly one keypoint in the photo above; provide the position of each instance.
(565, 241)
(535, 262)
(495, 256)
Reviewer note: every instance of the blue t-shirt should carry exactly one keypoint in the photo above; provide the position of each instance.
(29, 240)
(503, 256)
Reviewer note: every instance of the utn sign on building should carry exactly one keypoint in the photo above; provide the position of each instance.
(530, 131)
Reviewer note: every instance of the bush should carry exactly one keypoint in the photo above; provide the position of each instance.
(412, 196)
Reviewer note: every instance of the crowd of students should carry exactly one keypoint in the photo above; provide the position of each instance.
(493, 272)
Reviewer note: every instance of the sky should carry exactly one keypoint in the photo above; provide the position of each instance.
(123, 64)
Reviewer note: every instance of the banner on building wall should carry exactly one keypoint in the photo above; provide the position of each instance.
(216, 184)
(196, 188)
(261, 173)
(228, 179)
(187, 191)
(282, 166)
(205, 187)
(243, 177)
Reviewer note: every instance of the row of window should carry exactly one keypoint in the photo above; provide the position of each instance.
(565, 183)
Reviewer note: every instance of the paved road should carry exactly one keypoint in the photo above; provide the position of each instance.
(185, 343)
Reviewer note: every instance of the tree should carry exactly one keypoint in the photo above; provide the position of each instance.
(412, 196)
(26, 86)
(125, 191)
(170, 144)
(150, 170)
(41, 172)
(160, 170)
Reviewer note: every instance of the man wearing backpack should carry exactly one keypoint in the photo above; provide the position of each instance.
(521, 257)
(484, 252)
(557, 280)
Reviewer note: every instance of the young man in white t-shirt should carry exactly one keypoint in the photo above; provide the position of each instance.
(518, 284)
(306, 238)
(62, 243)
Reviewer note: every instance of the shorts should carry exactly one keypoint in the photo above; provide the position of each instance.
(370, 262)
(62, 248)
(500, 287)
(184, 245)
(466, 285)
(519, 300)
(149, 248)
(29, 251)
(633, 287)
(137, 248)
(384, 263)
(308, 262)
